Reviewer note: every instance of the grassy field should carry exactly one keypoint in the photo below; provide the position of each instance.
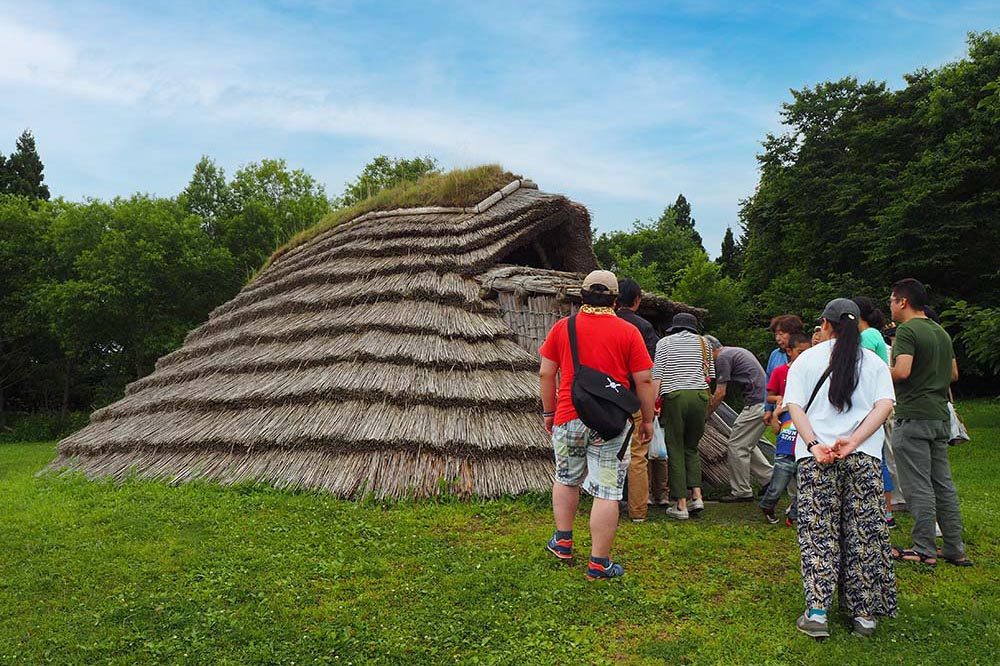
(144, 573)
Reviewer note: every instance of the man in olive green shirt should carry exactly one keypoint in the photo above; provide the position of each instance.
(923, 369)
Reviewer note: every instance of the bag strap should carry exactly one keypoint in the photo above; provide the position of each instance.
(826, 373)
(628, 439)
(571, 328)
(704, 356)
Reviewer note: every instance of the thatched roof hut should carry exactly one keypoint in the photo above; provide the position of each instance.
(377, 357)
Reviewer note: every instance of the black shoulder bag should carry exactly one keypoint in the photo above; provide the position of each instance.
(601, 403)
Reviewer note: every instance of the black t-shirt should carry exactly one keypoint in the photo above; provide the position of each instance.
(649, 335)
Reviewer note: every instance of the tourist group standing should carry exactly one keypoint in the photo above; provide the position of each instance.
(827, 394)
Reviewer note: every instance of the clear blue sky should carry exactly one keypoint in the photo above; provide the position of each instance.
(618, 105)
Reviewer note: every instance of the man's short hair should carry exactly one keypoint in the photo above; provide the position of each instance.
(628, 292)
(786, 323)
(713, 342)
(913, 291)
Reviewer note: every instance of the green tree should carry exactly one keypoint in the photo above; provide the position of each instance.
(207, 195)
(268, 204)
(134, 277)
(24, 263)
(702, 284)
(681, 210)
(729, 257)
(24, 169)
(384, 172)
(658, 249)
(5, 175)
(979, 335)
(869, 185)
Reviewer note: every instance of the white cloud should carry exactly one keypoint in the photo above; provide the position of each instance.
(615, 123)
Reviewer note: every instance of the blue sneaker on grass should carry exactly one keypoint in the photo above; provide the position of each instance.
(598, 570)
(561, 548)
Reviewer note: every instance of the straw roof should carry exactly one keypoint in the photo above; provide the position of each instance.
(365, 360)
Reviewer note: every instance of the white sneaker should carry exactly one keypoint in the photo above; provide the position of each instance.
(696, 505)
(674, 512)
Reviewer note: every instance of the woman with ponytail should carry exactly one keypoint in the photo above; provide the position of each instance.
(839, 395)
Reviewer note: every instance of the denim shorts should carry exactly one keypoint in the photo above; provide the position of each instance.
(584, 459)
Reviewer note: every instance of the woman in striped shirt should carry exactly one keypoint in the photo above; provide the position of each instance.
(681, 371)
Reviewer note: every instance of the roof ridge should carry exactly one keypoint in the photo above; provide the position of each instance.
(483, 205)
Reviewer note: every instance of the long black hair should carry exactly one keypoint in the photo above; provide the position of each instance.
(872, 315)
(844, 361)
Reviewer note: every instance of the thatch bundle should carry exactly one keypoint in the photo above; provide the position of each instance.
(386, 355)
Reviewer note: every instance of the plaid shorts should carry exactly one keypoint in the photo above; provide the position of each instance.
(584, 459)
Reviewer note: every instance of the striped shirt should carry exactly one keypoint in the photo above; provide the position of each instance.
(683, 361)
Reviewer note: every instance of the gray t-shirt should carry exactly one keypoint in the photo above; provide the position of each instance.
(738, 365)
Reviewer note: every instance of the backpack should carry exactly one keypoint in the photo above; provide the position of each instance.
(603, 404)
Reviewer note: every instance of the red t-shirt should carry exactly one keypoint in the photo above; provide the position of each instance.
(779, 377)
(605, 343)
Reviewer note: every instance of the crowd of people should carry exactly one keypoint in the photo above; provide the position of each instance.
(860, 416)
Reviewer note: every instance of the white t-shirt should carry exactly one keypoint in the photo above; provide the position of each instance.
(874, 383)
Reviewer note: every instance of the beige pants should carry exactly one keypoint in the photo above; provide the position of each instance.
(744, 456)
(638, 483)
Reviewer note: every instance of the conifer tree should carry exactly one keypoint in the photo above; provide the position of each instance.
(24, 169)
(729, 257)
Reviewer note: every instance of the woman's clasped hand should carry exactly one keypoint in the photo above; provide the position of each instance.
(827, 454)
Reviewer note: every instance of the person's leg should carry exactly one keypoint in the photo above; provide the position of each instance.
(658, 480)
(565, 500)
(784, 472)
(887, 487)
(695, 409)
(760, 466)
(603, 526)
(672, 418)
(911, 441)
(638, 479)
(792, 513)
(570, 454)
(949, 515)
(868, 579)
(819, 546)
(743, 440)
(889, 456)
(605, 480)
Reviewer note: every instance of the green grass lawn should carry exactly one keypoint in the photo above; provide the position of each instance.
(145, 573)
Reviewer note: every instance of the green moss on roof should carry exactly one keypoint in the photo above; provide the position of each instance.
(458, 188)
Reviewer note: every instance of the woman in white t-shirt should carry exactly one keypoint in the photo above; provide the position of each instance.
(839, 395)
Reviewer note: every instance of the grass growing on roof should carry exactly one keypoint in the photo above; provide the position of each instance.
(458, 188)
(148, 573)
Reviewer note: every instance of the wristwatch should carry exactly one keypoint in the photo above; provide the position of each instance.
(810, 445)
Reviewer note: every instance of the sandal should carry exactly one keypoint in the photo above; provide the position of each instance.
(964, 562)
(913, 556)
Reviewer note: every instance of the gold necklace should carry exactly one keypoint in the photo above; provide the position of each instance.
(595, 310)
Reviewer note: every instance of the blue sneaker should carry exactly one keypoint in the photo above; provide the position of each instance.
(561, 548)
(597, 570)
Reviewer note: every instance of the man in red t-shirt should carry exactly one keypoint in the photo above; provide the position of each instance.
(615, 347)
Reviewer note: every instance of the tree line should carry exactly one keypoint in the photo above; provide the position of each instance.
(93, 292)
(867, 185)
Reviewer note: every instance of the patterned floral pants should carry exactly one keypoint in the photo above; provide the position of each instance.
(843, 537)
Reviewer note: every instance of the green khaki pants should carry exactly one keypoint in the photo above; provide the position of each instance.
(683, 420)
